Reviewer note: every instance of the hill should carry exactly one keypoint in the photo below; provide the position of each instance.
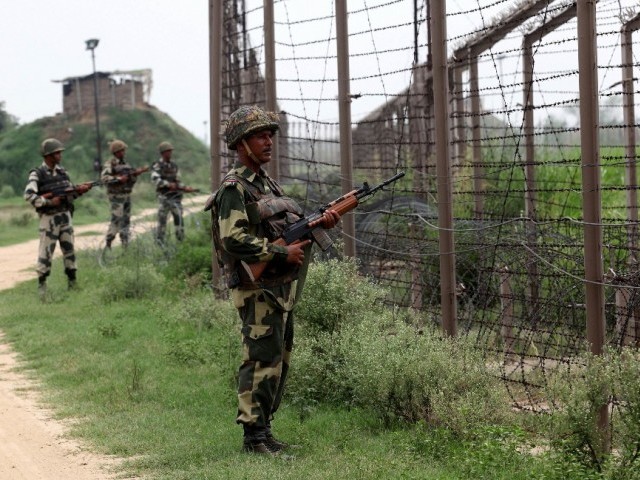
(142, 130)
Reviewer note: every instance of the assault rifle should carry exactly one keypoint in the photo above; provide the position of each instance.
(184, 188)
(66, 192)
(131, 172)
(302, 230)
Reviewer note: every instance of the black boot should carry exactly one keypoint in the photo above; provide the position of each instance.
(275, 443)
(42, 288)
(71, 276)
(255, 441)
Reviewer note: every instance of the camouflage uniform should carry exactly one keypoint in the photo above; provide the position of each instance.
(55, 221)
(119, 195)
(164, 173)
(249, 211)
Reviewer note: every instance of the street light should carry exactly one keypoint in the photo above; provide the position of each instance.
(92, 43)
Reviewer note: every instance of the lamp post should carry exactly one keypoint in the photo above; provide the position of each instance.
(91, 45)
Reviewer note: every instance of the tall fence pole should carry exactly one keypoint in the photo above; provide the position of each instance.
(270, 81)
(443, 168)
(529, 172)
(629, 115)
(344, 103)
(476, 139)
(591, 196)
(215, 101)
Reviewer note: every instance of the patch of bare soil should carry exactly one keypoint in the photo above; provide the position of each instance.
(33, 445)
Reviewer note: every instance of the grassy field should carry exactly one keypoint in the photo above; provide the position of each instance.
(150, 378)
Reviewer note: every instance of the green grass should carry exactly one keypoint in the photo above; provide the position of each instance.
(151, 380)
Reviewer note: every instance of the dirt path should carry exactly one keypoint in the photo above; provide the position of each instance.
(34, 446)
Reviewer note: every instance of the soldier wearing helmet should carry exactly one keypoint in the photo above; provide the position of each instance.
(165, 175)
(50, 191)
(249, 212)
(119, 179)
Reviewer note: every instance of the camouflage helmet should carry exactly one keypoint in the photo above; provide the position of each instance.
(50, 146)
(247, 120)
(164, 146)
(117, 145)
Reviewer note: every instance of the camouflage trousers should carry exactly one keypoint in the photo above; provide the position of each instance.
(120, 218)
(267, 342)
(55, 228)
(168, 204)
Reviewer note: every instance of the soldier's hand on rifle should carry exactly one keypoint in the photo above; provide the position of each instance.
(55, 201)
(83, 188)
(123, 178)
(295, 252)
(328, 220)
(173, 186)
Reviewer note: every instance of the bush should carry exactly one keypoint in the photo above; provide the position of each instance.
(578, 393)
(356, 352)
(7, 191)
(194, 255)
(121, 282)
(334, 295)
(23, 219)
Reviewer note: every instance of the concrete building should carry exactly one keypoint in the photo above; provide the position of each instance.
(126, 90)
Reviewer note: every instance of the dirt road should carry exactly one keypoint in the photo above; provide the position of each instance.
(33, 446)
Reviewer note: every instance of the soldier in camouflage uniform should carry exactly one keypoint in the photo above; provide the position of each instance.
(54, 211)
(165, 175)
(249, 211)
(116, 175)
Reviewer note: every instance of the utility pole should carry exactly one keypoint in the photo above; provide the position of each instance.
(97, 164)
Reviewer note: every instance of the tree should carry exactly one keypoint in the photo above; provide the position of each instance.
(7, 121)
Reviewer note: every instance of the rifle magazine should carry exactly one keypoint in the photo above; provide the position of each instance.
(322, 238)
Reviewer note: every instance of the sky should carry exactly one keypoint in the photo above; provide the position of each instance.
(44, 40)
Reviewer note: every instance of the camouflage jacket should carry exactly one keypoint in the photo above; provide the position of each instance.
(110, 173)
(44, 180)
(163, 174)
(249, 211)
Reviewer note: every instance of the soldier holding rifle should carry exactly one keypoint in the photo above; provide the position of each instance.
(51, 193)
(165, 175)
(119, 178)
(249, 212)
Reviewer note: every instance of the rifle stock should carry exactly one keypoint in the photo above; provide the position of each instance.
(298, 231)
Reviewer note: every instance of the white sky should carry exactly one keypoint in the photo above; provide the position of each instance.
(43, 40)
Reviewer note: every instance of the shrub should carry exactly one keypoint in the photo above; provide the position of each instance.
(626, 391)
(201, 310)
(194, 255)
(7, 191)
(22, 220)
(356, 352)
(121, 282)
(334, 295)
(578, 393)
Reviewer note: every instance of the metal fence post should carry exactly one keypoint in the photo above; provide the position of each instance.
(591, 193)
(344, 96)
(448, 299)
(215, 93)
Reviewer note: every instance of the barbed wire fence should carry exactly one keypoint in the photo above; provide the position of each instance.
(517, 164)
